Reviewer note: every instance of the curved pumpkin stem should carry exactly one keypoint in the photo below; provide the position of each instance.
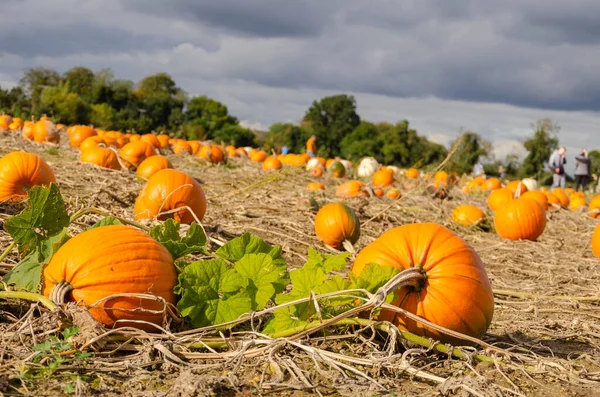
(60, 291)
(30, 296)
(411, 277)
(348, 247)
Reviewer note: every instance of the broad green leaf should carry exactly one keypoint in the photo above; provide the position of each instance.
(107, 221)
(45, 217)
(247, 243)
(373, 277)
(264, 278)
(327, 262)
(304, 281)
(335, 284)
(27, 274)
(167, 234)
(283, 319)
(212, 293)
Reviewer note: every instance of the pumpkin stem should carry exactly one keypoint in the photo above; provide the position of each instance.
(60, 291)
(411, 277)
(30, 296)
(348, 246)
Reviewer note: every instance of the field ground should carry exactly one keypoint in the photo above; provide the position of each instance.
(546, 293)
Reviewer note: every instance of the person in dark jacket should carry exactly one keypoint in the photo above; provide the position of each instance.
(583, 166)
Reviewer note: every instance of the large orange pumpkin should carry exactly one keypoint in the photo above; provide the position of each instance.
(212, 154)
(45, 131)
(80, 133)
(467, 215)
(517, 187)
(111, 260)
(168, 190)
(453, 290)
(114, 139)
(351, 189)
(383, 178)
(553, 201)
(151, 139)
(92, 142)
(195, 146)
(499, 198)
(163, 140)
(576, 203)
(28, 130)
(102, 157)
(135, 152)
(595, 207)
(336, 223)
(562, 196)
(538, 196)
(19, 171)
(521, 219)
(151, 166)
(271, 164)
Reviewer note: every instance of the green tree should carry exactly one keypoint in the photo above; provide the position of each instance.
(34, 81)
(471, 147)
(63, 105)
(212, 115)
(286, 134)
(331, 119)
(235, 135)
(363, 141)
(14, 102)
(595, 157)
(540, 146)
(102, 115)
(80, 81)
(158, 97)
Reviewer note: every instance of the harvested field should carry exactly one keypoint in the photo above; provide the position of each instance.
(544, 338)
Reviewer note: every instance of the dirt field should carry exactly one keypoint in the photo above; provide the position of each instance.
(546, 318)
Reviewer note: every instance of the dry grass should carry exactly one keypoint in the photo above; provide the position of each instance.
(546, 322)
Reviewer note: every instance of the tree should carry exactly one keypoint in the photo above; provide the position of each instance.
(540, 146)
(363, 141)
(286, 134)
(212, 115)
(331, 119)
(80, 81)
(63, 105)
(14, 102)
(235, 135)
(595, 158)
(102, 115)
(470, 147)
(34, 81)
(158, 97)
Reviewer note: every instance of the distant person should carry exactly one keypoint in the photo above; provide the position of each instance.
(556, 163)
(478, 169)
(501, 172)
(285, 150)
(583, 165)
(311, 146)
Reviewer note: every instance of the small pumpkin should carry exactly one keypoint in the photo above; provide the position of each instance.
(168, 190)
(28, 130)
(521, 219)
(45, 131)
(336, 223)
(92, 142)
(271, 164)
(151, 166)
(79, 134)
(351, 189)
(451, 288)
(441, 176)
(151, 139)
(467, 215)
(212, 154)
(491, 184)
(393, 194)
(314, 186)
(258, 156)
(576, 203)
(517, 187)
(113, 260)
(412, 173)
(163, 140)
(538, 196)
(317, 171)
(181, 146)
(595, 207)
(19, 171)
(437, 189)
(196, 146)
(135, 152)
(383, 178)
(499, 198)
(102, 157)
(553, 201)
(562, 196)
(378, 192)
(367, 167)
(337, 169)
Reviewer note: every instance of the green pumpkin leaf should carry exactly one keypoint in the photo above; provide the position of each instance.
(27, 274)
(45, 217)
(327, 262)
(212, 293)
(282, 320)
(247, 243)
(264, 278)
(373, 277)
(167, 234)
(107, 221)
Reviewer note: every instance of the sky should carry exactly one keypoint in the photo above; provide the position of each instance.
(493, 67)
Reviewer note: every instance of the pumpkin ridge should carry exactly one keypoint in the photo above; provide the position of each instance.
(439, 297)
(430, 265)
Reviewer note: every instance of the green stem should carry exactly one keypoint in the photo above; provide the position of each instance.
(30, 296)
(7, 250)
(97, 211)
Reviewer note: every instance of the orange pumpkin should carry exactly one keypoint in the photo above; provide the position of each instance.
(16, 124)
(437, 189)
(521, 219)
(28, 130)
(499, 198)
(19, 171)
(316, 171)
(351, 189)
(568, 191)
(258, 156)
(5, 123)
(562, 196)
(491, 184)
(45, 131)
(163, 140)
(412, 173)
(114, 139)
(538, 196)
(134, 137)
(151, 139)
(135, 152)
(112, 260)
(517, 187)
(212, 154)
(151, 166)
(452, 289)
(576, 203)
(595, 207)
(596, 241)
(79, 134)
(553, 201)
(441, 176)
(383, 178)
(467, 215)
(313, 186)
(393, 194)
(336, 223)
(168, 190)
(378, 192)
(271, 164)
(195, 146)
(231, 151)
(102, 157)
(180, 146)
(91, 142)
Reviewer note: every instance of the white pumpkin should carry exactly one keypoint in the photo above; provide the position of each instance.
(530, 183)
(367, 167)
(312, 163)
(347, 165)
(396, 170)
(247, 149)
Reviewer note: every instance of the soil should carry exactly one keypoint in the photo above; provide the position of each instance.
(546, 294)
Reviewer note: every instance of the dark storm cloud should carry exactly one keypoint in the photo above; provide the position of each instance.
(263, 18)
